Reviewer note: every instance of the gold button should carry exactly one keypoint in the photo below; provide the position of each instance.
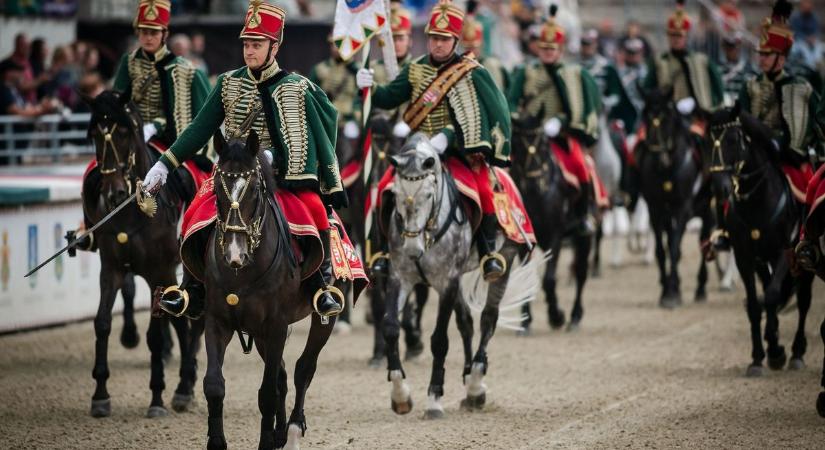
(756, 234)
(531, 149)
(235, 205)
(232, 299)
(667, 186)
(122, 238)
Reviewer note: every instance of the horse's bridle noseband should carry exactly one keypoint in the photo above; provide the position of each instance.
(253, 228)
(734, 169)
(109, 144)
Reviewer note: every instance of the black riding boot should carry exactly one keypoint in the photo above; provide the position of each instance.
(319, 284)
(189, 299)
(379, 262)
(87, 244)
(493, 264)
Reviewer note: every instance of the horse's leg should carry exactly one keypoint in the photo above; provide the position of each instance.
(657, 226)
(154, 338)
(774, 294)
(280, 408)
(674, 242)
(701, 294)
(464, 321)
(272, 352)
(110, 280)
(185, 393)
(214, 388)
(377, 299)
(411, 322)
(582, 246)
(554, 312)
(129, 336)
(304, 371)
(754, 309)
(597, 253)
(803, 299)
(820, 400)
(439, 345)
(401, 401)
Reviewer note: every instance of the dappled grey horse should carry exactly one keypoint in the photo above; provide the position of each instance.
(431, 241)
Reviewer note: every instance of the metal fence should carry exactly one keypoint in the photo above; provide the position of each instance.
(55, 136)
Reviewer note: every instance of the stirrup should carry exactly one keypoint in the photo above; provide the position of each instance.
(337, 296)
(182, 293)
(376, 257)
(498, 257)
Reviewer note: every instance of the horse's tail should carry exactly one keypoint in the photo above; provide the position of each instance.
(522, 287)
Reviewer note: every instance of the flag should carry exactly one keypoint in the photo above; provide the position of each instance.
(356, 22)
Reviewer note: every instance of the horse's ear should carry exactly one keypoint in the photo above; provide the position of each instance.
(429, 163)
(252, 143)
(123, 100)
(220, 143)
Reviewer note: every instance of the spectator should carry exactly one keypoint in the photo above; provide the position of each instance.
(180, 45)
(12, 101)
(804, 21)
(807, 52)
(91, 60)
(39, 55)
(91, 85)
(63, 79)
(198, 49)
(20, 56)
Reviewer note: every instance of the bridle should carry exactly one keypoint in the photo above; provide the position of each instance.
(533, 156)
(409, 202)
(661, 144)
(109, 146)
(234, 221)
(734, 169)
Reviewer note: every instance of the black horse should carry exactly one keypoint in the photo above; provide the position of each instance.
(670, 177)
(815, 232)
(763, 222)
(253, 283)
(547, 197)
(385, 144)
(131, 242)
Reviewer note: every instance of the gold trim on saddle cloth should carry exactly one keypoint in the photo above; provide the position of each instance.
(437, 91)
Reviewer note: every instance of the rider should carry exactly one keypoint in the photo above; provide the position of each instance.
(455, 102)
(693, 78)
(615, 98)
(337, 78)
(472, 40)
(736, 67)
(167, 89)
(566, 99)
(296, 124)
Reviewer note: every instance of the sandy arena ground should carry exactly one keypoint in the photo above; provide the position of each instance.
(633, 376)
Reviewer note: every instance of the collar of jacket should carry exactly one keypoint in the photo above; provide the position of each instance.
(261, 75)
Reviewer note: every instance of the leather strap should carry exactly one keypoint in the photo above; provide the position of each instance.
(437, 91)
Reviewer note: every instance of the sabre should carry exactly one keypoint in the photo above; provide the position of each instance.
(137, 195)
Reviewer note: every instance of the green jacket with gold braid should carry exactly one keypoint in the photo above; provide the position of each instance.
(562, 90)
(291, 115)
(689, 75)
(381, 78)
(168, 90)
(337, 79)
(473, 115)
(786, 105)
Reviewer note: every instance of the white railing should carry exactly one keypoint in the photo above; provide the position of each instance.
(54, 136)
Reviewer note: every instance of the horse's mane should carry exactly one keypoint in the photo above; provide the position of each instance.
(236, 151)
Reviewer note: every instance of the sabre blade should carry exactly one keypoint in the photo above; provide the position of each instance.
(85, 233)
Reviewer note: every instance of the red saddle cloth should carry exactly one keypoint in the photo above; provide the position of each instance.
(578, 168)
(799, 179)
(509, 205)
(815, 197)
(346, 263)
(198, 175)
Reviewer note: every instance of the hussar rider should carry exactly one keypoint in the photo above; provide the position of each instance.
(295, 122)
(472, 40)
(563, 97)
(337, 78)
(455, 102)
(167, 89)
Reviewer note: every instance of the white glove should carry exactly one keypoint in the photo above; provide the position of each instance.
(268, 156)
(351, 130)
(149, 130)
(364, 78)
(155, 178)
(439, 142)
(631, 142)
(611, 101)
(401, 129)
(686, 105)
(552, 127)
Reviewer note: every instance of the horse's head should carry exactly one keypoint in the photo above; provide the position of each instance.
(242, 182)
(384, 141)
(417, 191)
(660, 117)
(528, 148)
(117, 132)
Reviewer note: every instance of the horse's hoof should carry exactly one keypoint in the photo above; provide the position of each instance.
(796, 364)
(524, 332)
(596, 273)
(820, 404)
(668, 303)
(700, 297)
(101, 408)
(726, 288)
(181, 402)
(155, 412)
(572, 327)
(402, 408)
(433, 414)
(375, 362)
(474, 403)
(777, 362)
(216, 443)
(414, 351)
(754, 371)
(557, 319)
(129, 337)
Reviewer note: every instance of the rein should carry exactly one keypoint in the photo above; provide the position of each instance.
(253, 228)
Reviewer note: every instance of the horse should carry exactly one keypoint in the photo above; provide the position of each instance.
(253, 285)
(670, 177)
(384, 144)
(815, 232)
(430, 240)
(130, 242)
(547, 197)
(614, 219)
(763, 222)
